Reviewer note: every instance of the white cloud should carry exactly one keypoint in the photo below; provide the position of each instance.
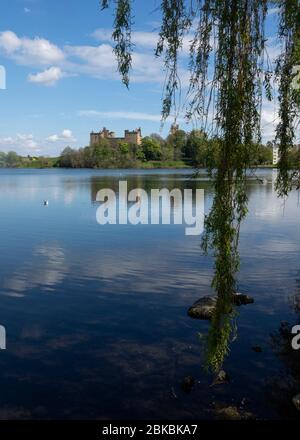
(9, 42)
(24, 143)
(6, 141)
(269, 119)
(48, 77)
(273, 48)
(141, 39)
(272, 11)
(97, 61)
(21, 143)
(100, 62)
(65, 136)
(53, 138)
(121, 115)
(28, 142)
(30, 52)
(135, 116)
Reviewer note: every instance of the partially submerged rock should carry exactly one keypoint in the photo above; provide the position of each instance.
(233, 413)
(296, 401)
(221, 377)
(229, 413)
(205, 306)
(240, 299)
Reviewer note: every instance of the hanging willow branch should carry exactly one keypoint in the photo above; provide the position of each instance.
(175, 23)
(287, 67)
(238, 90)
(226, 79)
(104, 4)
(122, 36)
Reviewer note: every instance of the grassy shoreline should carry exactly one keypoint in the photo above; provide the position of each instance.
(53, 163)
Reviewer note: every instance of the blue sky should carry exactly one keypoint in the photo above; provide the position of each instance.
(62, 80)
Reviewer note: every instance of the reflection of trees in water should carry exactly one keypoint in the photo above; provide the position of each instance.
(146, 182)
(282, 388)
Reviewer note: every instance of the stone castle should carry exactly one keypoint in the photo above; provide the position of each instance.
(130, 137)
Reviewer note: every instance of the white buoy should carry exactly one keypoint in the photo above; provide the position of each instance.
(46, 203)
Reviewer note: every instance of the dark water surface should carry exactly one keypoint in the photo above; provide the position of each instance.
(96, 316)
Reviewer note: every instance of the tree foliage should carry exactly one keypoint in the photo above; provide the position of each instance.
(194, 148)
(151, 149)
(14, 160)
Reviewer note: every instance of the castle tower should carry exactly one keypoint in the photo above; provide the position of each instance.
(106, 134)
(133, 137)
(174, 128)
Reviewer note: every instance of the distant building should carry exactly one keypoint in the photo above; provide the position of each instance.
(130, 137)
(275, 155)
(174, 128)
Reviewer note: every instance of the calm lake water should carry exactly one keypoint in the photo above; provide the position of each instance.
(96, 316)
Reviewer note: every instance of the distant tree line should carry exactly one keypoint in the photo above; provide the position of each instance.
(178, 149)
(195, 149)
(13, 160)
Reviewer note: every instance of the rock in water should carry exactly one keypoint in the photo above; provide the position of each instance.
(222, 377)
(229, 413)
(204, 307)
(232, 413)
(240, 299)
(296, 402)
